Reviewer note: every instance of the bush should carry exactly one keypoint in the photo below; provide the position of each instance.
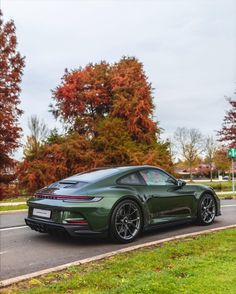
(8, 191)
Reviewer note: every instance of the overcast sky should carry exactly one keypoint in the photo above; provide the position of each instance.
(188, 48)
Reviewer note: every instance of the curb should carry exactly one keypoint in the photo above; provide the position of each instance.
(10, 281)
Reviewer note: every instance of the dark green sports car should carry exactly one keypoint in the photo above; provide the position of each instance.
(120, 201)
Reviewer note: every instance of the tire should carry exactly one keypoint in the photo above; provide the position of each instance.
(206, 210)
(126, 222)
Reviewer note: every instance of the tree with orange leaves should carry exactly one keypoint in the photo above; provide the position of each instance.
(108, 113)
(227, 134)
(57, 158)
(121, 90)
(11, 70)
(132, 99)
(83, 98)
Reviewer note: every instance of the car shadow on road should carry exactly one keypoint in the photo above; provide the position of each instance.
(102, 241)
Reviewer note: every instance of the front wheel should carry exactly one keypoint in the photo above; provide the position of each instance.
(206, 210)
(126, 221)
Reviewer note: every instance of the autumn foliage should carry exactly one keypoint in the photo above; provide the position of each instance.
(221, 160)
(11, 69)
(107, 110)
(62, 157)
(132, 100)
(83, 97)
(121, 90)
(227, 134)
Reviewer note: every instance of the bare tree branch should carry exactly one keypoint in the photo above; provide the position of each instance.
(189, 143)
(211, 147)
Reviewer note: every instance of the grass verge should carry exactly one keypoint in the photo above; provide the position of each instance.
(217, 186)
(227, 196)
(204, 264)
(13, 207)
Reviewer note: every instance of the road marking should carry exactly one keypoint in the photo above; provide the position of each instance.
(22, 227)
(3, 252)
(10, 281)
(13, 228)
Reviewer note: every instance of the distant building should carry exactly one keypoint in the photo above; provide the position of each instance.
(202, 170)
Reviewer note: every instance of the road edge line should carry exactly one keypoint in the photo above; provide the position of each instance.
(13, 228)
(18, 279)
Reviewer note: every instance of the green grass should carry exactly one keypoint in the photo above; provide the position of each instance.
(13, 207)
(230, 196)
(217, 186)
(204, 264)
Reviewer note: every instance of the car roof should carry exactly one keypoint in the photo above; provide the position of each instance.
(105, 172)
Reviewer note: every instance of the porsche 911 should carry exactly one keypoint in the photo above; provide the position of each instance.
(120, 202)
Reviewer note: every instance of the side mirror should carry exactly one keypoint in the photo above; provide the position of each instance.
(181, 183)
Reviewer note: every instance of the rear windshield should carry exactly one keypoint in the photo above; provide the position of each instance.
(93, 175)
(64, 184)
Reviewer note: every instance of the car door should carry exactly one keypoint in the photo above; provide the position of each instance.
(166, 200)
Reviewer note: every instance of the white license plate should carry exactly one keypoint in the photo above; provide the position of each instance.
(42, 212)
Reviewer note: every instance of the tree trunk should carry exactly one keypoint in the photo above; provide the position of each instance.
(190, 172)
(210, 173)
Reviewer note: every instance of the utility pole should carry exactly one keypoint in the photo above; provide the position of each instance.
(233, 186)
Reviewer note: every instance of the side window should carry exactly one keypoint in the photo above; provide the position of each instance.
(156, 177)
(131, 179)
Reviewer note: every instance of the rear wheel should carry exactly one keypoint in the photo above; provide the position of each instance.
(126, 221)
(206, 210)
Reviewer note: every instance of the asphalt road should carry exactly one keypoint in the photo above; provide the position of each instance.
(25, 251)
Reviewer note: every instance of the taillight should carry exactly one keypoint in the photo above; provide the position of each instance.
(75, 221)
(68, 197)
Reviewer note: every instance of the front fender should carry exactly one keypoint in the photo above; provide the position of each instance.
(217, 199)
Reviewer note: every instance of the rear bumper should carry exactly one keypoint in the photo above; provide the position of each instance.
(71, 230)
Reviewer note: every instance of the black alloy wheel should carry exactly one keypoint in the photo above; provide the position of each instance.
(206, 210)
(126, 221)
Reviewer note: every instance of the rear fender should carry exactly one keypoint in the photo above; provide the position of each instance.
(145, 214)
